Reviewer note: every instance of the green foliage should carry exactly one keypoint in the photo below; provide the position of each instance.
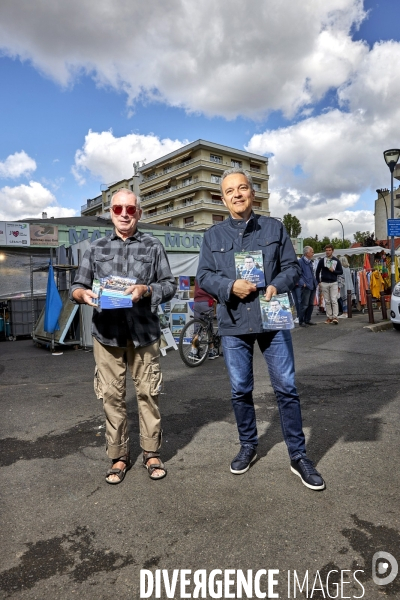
(292, 225)
(319, 245)
(361, 236)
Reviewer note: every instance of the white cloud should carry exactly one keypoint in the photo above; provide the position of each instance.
(29, 201)
(224, 58)
(322, 165)
(16, 165)
(314, 213)
(109, 158)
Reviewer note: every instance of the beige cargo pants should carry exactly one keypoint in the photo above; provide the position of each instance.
(110, 386)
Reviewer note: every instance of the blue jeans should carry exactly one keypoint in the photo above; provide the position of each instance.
(277, 349)
(296, 293)
(307, 304)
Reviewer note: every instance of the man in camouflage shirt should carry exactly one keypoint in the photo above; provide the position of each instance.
(128, 337)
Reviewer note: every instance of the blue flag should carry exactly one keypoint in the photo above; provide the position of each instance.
(53, 304)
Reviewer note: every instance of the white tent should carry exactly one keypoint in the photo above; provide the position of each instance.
(354, 251)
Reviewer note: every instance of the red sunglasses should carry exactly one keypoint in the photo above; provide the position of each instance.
(130, 210)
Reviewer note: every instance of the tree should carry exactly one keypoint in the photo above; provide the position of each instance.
(338, 243)
(361, 236)
(292, 225)
(319, 245)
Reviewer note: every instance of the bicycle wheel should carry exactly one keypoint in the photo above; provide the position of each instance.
(194, 343)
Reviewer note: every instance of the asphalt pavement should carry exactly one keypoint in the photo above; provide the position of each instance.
(65, 533)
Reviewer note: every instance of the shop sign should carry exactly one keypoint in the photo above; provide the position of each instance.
(187, 240)
(44, 235)
(75, 237)
(3, 237)
(17, 234)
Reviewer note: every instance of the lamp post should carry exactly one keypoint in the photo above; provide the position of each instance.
(341, 225)
(391, 158)
(382, 192)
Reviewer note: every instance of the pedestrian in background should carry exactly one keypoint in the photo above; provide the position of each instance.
(308, 286)
(346, 283)
(328, 269)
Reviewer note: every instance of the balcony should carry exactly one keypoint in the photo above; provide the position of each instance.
(91, 203)
(197, 205)
(167, 170)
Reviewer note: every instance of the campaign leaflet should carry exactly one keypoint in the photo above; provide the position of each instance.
(249, 265)
(330, 263)
(276, 314)
(111, 292)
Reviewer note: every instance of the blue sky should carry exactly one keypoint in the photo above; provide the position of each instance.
(309, 104)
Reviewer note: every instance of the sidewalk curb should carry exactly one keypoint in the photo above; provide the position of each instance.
(379, 326)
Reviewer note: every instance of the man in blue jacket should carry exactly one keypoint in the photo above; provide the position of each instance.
(308, 286)
(240, 320)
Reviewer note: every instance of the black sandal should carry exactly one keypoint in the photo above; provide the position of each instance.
(152, 468)
(120, 473)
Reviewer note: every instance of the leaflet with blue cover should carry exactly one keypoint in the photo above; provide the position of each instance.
(276, 313)
(111, 292)
(250, 266)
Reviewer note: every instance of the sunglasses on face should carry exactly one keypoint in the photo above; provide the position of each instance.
(130, 210)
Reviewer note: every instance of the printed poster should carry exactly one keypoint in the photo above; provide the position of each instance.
(44, 235)
(17, 234)
(250, 266)
(276, 314)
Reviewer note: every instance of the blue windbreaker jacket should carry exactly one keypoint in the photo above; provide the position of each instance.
(217, 273)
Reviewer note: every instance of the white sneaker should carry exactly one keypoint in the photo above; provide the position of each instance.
(296, 320)
(343, 316)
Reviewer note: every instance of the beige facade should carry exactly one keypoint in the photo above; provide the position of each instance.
(181, 189)
(383, 211)
(101, 204)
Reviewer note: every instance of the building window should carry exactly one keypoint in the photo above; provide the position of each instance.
(187, 220)
(215, 158)
(255, 168)
(215, 179)
(236, 163)
(217, 218)
(257, 187)
(187, 181)
(257, 204)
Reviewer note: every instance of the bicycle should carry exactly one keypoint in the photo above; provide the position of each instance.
(196, 338)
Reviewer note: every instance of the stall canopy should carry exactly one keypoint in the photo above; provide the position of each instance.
(355, 251)
(182, 263)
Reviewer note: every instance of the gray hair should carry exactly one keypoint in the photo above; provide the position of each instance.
(306, 249)
(344, 262)
(129, 192)
(233, 171)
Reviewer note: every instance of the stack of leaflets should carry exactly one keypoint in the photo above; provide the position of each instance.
(276, 314)
(330, 263)
(111, 292)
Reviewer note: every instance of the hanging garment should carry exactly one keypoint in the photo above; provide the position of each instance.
(367, 264)
(376, 284)
(363, 287)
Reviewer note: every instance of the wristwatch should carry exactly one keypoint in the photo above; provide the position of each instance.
(147, 292)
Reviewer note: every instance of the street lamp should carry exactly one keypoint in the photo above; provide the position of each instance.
(341, 225)
(391, 158)
(382, 192)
